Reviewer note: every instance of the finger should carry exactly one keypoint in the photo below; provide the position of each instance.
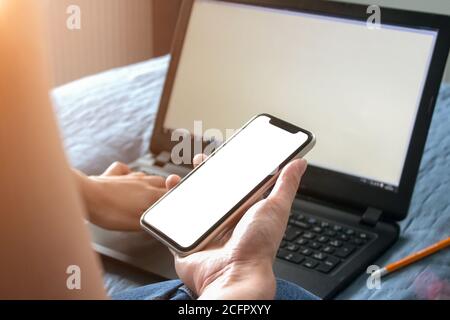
(117, 169)
(155, 193)
(172, 181)
(121, 222)
(129, 225)
(154, 181)
(198, 159)
(138, 174)
(287, 183)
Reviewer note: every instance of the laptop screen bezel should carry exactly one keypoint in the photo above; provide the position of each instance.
(320, 183)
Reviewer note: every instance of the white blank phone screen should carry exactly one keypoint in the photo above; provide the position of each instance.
(203, 198)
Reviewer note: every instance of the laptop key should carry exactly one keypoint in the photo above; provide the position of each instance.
(292, 247)
(283, 244)
(324, 224)
(324, 268)
(308, 235)
(290, 256)
(364, 236)
(336, 243)
(301, 224)
(328, 249)
(294, 257)
(319, 256)
(317, 230)
(298, 216)
(329, 264)
(357, 241)
(301, 241)
(282, 253)
(310, 263)
(315, 245)
(343, 237)
(323, 239)
(350, 232)
(291, 233)
(330, 233)
(332, 261)
(345, 251)
(306, 251)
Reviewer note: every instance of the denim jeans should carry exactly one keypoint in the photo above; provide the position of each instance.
(176, 290)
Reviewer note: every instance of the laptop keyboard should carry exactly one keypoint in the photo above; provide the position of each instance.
(320, 245)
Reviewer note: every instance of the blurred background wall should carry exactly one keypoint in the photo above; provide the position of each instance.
(119, 32)
(113, 33)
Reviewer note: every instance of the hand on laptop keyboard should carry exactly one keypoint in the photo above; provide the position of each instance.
(116, 199)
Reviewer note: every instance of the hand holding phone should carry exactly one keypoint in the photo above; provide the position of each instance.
(239, 265)
(216, 194)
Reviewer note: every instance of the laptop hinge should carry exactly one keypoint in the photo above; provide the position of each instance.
(371, 216)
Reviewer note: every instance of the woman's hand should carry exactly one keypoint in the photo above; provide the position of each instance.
(239, 265)
(116, 199)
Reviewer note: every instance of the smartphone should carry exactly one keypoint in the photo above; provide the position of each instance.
(212, 197)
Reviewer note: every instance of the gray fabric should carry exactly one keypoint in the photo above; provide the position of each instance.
(109, 117)
(428, 221)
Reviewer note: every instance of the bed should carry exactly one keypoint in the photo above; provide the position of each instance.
(110, 116)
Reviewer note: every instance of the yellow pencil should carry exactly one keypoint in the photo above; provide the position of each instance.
(414, 257)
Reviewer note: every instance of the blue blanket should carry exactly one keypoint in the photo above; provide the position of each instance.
(428, 221)
(109, 116)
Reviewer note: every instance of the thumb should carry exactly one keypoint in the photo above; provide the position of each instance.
(117, 169)
(285, 189)
(172, 181)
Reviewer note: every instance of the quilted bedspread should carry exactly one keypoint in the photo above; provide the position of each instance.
(109, 117)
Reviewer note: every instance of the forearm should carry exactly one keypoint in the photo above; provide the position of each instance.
(91, 195)
(113, 202)
(84, 188)
(43, 234)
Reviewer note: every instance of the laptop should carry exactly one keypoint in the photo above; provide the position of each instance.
(366, 90)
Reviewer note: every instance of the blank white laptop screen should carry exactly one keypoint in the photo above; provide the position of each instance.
(356, 88)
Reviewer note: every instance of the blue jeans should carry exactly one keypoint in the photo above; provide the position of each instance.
(176, 290)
